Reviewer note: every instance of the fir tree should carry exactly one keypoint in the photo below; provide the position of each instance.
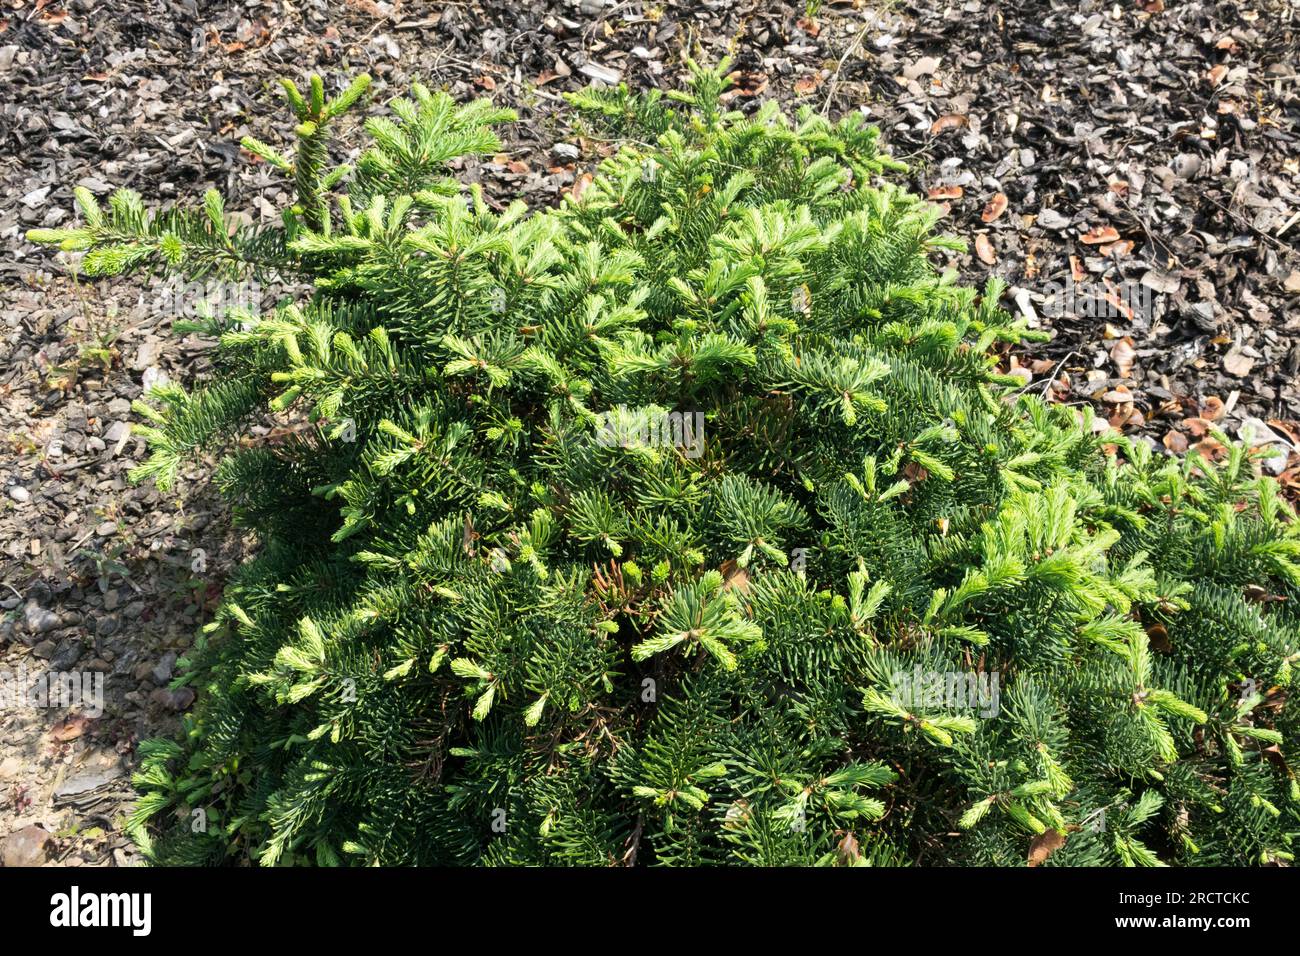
(690, 522)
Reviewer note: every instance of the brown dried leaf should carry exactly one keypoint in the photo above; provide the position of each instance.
(1123, 353)
(1175, 441)
(995, 208)
(580, 186)
(1159, 637)
(70, 729)
(946, 192)
(807, 84)
(1212, 408)
(948, 121)
(1044, 845)
(734, 576)
(984, 249)
(1099, 235)
(1209, 449)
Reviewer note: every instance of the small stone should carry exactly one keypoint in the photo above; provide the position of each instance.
(172, 699)
(147, 354)
(20, 494)
(66, 657)
(87, 781)
(162, 673)
(29, 846)
(38, 619)
(106, 529)
(35, 198)
(1051, 219)
(44, 650)
(153, 377)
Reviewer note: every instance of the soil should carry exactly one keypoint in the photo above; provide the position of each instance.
(1128, 168)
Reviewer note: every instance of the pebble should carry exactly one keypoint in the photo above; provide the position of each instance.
(162, 672)
(29, 846)
(39, 620)
(172, 699)
(20, 494)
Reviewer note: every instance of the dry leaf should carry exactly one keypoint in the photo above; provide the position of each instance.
(995, 208)
(1044, 845)
(747, 83)
(1175, 441)
(1209, 449)
(807, 84)
(1122, 354)
(1126, 415)
(1100, 235)
(734, 576)
(1216, 74)
(946, 192)
(1212, 408)
(848, 849)
(580, 186)
(69, 729)
(1159, 638)
(1285, 428)
(1292, 282)
(984, 249)
(948, 121)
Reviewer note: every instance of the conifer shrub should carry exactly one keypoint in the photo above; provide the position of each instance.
(689, 522)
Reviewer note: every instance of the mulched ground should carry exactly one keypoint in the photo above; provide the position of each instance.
(1087, 151)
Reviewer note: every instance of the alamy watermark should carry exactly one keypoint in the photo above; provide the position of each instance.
(919, 689)
(73, 909)
(20, 690)
(647, 428)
